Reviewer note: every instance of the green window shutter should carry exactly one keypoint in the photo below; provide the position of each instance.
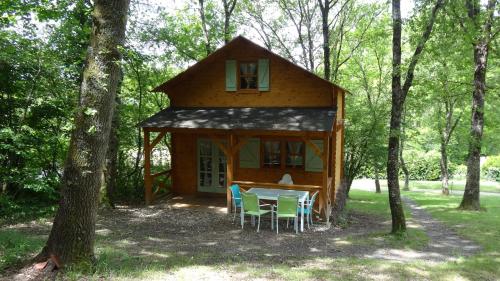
(313, 162)
(263, 74)
(230, 75)
(250, 154)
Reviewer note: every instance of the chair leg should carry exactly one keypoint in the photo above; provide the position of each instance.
(258, 224)
(234, 215)
(272, 220)
(242, 215)
(277, 224)
(287, 220)
(296, 225)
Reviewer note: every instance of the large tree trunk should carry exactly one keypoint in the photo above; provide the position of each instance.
(398, 98)
(338, 206)
(470, 200)
(73, 232)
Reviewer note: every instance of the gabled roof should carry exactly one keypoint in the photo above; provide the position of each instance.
(310, 119)
(219, 52)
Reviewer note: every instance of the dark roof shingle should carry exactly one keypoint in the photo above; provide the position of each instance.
(318, 119)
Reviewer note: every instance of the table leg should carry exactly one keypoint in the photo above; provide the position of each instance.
(302, 216)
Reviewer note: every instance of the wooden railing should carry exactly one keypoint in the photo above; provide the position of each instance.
(305, 187)
(161, 184)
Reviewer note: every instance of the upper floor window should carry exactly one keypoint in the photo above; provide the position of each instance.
(248, 76)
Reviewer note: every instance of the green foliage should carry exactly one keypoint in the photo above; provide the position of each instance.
(20, 210)
(423, 165)
(15, 248)
(367, 107)
(36, 107)
(491, 168)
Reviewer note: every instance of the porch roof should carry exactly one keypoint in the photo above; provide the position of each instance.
(310, 119)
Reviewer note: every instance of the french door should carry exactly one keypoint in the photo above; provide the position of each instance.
(211, 167)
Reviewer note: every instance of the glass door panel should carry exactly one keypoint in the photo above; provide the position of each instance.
(211, 167)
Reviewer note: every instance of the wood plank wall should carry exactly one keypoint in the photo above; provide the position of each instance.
(289, 85)
(185, 175)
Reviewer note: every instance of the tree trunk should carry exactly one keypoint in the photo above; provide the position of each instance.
(348, 183)
(338, 206)
(377, 181)
(403, 164)
(228, 10)
(470, 200)
(397, 213)
(73, 232)
(444, 169)
(325, 9)
(138, 156)
(112, 156)
(398, 98)
(208, 44)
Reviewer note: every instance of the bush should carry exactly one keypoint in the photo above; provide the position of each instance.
(491, 168)
(15, 211)
(458, 171)
(423, 165)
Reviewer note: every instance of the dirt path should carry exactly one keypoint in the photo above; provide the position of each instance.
(444, 243)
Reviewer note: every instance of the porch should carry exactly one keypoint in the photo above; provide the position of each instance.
(230, 130)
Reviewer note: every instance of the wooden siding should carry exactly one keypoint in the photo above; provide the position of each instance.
(184, 176)
(289, 85)
(184, 180)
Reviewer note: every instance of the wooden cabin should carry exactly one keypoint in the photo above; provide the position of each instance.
(246, 115)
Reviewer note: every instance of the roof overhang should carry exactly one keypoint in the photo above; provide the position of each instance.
(292, 119)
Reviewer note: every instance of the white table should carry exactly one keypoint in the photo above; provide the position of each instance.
(272, 194)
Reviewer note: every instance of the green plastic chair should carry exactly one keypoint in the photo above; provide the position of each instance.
(251, 207)
(287, 208)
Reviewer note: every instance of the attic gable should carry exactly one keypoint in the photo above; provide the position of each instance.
(222, 53)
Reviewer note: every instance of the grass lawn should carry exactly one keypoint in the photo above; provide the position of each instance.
(116, 263)
(455, 185)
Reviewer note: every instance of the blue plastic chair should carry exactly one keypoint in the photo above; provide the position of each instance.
(308, 208)
(236, 196)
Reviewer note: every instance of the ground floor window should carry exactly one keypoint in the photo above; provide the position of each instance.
(281, 153)
(295, 154)
(272, 153)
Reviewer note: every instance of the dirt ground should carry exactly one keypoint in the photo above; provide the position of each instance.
(182, 227)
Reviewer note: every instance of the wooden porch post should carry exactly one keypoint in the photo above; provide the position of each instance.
(230, 170)
(148, 183)
(333, 165)
(326, 167)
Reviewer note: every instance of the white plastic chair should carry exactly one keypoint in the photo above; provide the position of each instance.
(286, 179)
